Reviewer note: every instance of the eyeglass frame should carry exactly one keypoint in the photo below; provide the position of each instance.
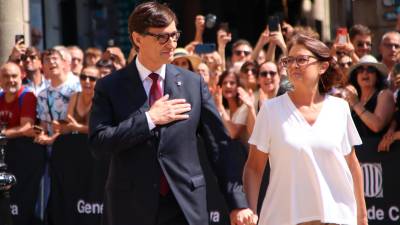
(360, 44)
(368, 69)
(342, 65)
(295, 59)
(31, 57)
(265, 73)
(84, 77)
(239, 52)
(159, 36)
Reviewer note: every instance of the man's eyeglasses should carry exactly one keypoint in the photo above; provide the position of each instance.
(391, 46)
(26, 57)
(84, 77)
(346, 64)
(301, 60)
(240, 52)
(362, 44)
(368, 69)
(164, 37)
(266, 73)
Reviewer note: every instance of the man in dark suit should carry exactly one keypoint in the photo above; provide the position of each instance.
(147, 116)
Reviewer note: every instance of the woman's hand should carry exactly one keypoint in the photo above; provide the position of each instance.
(246, 97)
(351, 96)
(73, 125)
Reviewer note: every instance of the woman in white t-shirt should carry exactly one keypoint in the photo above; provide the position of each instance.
(308, 138)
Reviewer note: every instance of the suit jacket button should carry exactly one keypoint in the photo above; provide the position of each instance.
(155, 186)
(160, 155)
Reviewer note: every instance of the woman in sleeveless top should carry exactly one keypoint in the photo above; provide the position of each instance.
(81, 102)
(393, 133)
(371, 102)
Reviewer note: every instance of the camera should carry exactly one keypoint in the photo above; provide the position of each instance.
(6, 179)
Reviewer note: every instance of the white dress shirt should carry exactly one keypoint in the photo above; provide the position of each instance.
(147, 82)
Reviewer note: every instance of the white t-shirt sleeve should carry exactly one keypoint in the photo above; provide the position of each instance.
(261, 132)
(351, 136)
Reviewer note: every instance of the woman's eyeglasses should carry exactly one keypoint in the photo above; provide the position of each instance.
(301, 60)
(345, 65)
(84, 77)
(369, 69)
(266, 73)
(164, 37)
(246, 70)
(361, 44)
(240, 52)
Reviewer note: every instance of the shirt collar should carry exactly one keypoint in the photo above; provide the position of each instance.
(144, 72)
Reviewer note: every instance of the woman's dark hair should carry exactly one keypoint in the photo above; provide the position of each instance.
(381, 82)
(221, 79)
(322, 52)
(150, 14)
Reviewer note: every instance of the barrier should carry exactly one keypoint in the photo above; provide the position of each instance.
(26, 161)
(77, 182)
(381, 182)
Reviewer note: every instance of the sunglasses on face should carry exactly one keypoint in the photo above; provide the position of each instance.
(26, 57)
(246, 70)
(362, 44)
(84, 77)
(368, 69)
(240, 52)
(301, 60)
(266, 73)
(346, 64)
(164, 37)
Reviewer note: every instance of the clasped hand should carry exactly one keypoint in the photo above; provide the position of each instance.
(243, 217)
(165, 111)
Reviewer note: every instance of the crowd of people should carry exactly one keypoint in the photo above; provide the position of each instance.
(49, 93)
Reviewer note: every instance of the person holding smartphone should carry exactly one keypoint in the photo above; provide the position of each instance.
(18, 49)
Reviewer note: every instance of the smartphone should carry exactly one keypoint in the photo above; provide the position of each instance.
(273, 23)
(19, 37)
(110, 43)
(204, 48)
(341, 34)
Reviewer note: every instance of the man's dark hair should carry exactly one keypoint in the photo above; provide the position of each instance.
(149, 14)
(31, 50)
(49, 52)
(359, 29)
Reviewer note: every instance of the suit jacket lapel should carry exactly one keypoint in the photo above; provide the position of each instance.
(173, 85)
(173, 82)
(134, 89)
